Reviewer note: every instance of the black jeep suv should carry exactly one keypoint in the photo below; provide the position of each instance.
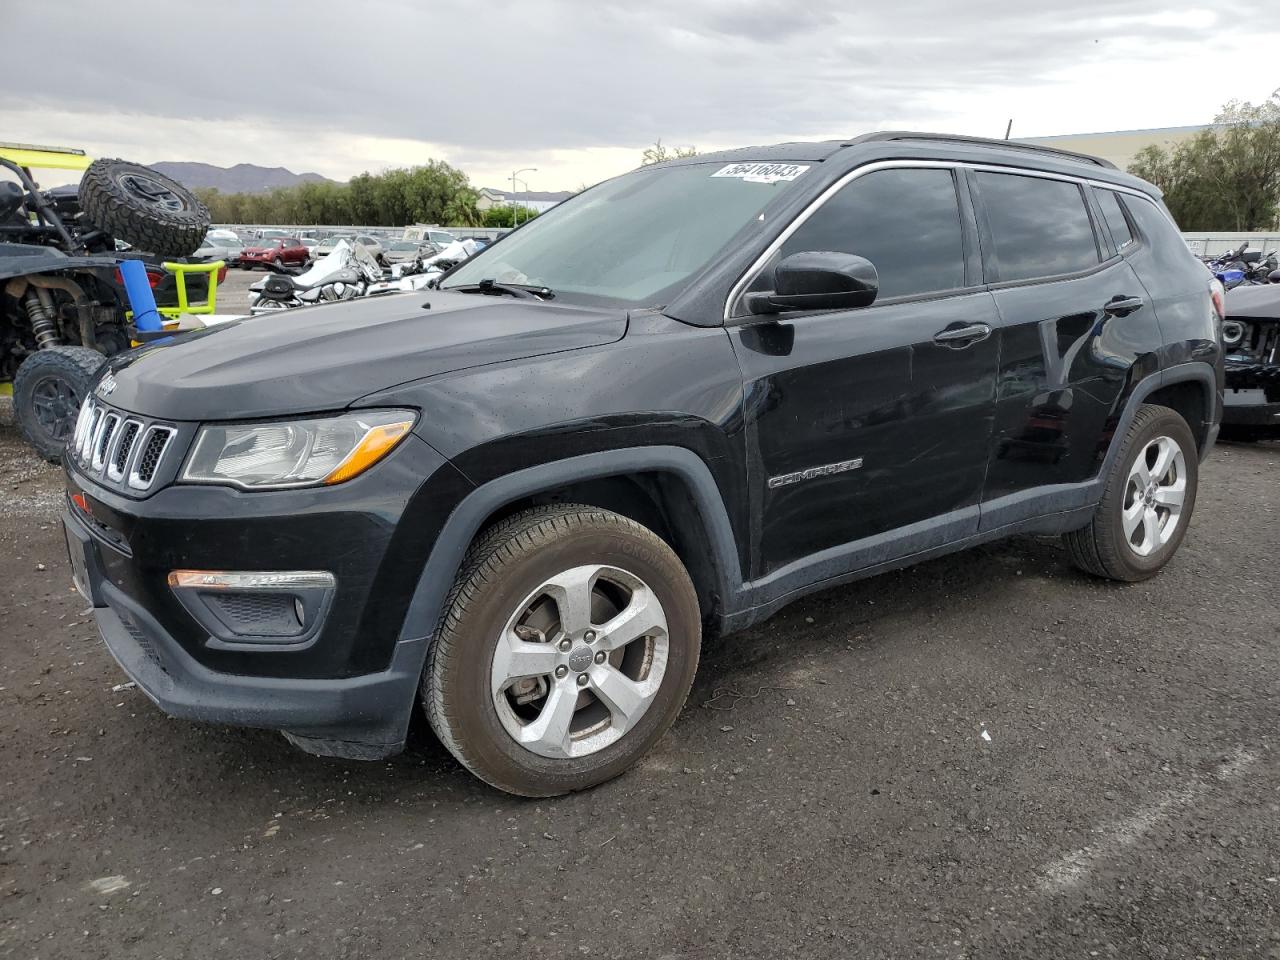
(673, 404)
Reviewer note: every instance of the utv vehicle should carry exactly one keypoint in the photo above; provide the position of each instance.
(62, 304)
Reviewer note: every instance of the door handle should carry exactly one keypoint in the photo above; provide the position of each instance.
(1122, 306)
(962, 336)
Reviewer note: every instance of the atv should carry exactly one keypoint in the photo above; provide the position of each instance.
(63, 308)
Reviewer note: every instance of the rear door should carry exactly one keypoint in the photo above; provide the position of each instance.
(862, 423)
(1075, 327)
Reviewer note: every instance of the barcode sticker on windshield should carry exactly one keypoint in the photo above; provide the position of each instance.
(762, 172)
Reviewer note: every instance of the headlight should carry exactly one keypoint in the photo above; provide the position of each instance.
(1232, 332)
(295, 453)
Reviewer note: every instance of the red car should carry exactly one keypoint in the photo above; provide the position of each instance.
(275, 250)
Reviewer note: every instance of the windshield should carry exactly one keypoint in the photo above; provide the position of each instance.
(403, 245)
(635, 240)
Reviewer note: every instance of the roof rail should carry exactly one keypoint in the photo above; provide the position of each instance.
(887, 135)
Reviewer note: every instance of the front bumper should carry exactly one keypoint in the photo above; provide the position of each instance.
(349, 690)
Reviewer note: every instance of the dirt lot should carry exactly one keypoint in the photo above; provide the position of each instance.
(830, 791)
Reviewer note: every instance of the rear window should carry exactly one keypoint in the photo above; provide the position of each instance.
(1121, 235)
(1040, 227)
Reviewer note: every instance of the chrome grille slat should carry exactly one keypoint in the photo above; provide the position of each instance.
(151, 450)
(125, 443)
(118, 448)
(102, 440)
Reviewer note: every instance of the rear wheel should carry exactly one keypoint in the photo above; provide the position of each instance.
(47, 393)
(1147, 502)
(568, 648)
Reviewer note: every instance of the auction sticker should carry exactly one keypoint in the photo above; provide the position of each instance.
(762, 172)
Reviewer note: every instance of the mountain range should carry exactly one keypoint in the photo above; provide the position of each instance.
(242, 178)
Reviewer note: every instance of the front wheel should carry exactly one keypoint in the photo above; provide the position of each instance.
(568, 647)
(1147, 502)
(47, 393)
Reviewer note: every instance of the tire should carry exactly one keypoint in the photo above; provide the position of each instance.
(112, 198)
(47, 392)
(503, 571)
(1105, 548)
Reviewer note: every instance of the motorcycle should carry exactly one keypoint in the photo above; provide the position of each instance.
(1242, 266)
(344, 274)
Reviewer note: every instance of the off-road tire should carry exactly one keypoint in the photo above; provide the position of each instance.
(73, 367)
(1100, 548)
(109, 206)
(501, 567)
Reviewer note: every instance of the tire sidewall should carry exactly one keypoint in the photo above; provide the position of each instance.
(1164, 422)
(465, 684)
(68, 364)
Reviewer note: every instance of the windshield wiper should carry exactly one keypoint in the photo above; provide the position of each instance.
(493, 288)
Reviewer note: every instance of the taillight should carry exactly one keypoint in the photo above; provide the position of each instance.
(1217, 293)
(153, 278)
(222, 274)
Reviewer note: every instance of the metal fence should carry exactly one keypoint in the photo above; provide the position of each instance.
(1207, 244)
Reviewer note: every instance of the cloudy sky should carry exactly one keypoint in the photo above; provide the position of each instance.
(577, 88)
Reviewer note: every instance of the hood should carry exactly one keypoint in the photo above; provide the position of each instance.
(314, 359)
(1254, 301)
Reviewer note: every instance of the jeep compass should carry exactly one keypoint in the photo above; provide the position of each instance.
(669, 406)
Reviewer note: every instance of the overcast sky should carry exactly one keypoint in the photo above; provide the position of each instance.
(577, 88)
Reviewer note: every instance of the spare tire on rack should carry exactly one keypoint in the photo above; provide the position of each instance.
(143, 207)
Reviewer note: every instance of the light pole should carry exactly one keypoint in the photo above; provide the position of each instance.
(514, 208)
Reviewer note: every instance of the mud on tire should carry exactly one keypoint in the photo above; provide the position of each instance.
(143, 208)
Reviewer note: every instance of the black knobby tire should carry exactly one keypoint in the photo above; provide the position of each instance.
(47, 392)
(111, 196)
(502, 566)
(1101, 547)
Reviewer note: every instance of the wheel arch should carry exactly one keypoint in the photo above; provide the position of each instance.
(1190, 389)
(666, 488)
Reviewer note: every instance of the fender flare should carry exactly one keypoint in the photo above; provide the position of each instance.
(1192, 371)
(445, 560)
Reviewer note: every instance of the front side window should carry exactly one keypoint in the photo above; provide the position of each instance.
(906, 222)
(1040, 227)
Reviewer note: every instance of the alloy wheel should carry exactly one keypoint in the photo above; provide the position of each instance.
(580, 661)
(56, 405)
(1154, 496)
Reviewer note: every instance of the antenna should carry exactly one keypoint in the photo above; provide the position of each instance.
(1008, 128)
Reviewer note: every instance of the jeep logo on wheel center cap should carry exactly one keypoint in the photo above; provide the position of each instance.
(580, 659)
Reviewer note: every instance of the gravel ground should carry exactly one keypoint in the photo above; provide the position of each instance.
(989, 755)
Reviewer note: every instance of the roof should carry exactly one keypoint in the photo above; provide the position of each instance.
(45, 158)
(822, 150)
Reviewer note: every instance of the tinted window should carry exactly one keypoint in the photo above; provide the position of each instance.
(1041, 227)
(1111, 212)
(906, 222)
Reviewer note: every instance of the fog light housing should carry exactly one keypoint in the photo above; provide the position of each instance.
(278, 609)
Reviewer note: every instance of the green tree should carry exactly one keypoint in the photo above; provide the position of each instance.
(1225, 178)
(659, 152)
(506, 215)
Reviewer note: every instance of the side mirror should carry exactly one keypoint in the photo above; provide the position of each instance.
(819, 280)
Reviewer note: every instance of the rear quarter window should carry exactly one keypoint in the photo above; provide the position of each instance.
(1113, 213)
(1040, 227)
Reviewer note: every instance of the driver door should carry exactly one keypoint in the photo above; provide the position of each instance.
(869, 427)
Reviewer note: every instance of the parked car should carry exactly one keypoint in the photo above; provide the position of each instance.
(218, 246)
(277, 251)
(311, 243)
(1251, 337)
(325, 247)
(402, 251)
(441, 238)
(678, 401)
